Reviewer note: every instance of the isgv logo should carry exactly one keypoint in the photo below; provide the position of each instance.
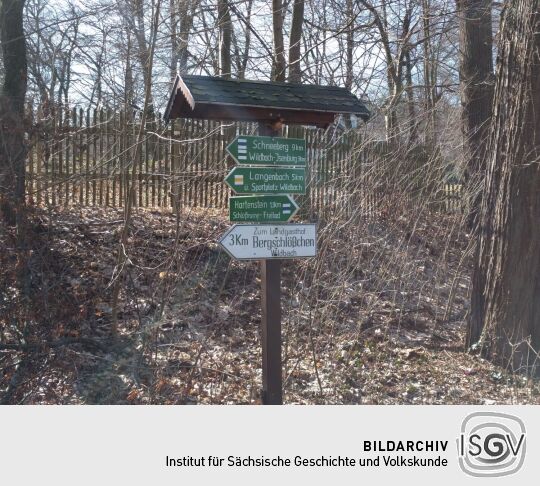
(491, 444)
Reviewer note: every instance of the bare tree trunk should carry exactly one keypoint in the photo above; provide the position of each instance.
(278, 63)
(506, 308)
(350, 46)
(430, 76)
(12, 97)
(393, 76)
(413, 125)
(135, 19)
(174, 39)
(295, 73)
(186, 13)
(225, 39)
(247, 44)
(121, 259)
(128, 77)
(390, 117)
(394, 62)
(349, 51)
(476, 79)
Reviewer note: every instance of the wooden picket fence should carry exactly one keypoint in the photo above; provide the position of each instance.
(88, 156)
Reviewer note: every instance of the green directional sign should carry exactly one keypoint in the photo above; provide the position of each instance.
(267, 180)
(254, 150)
(276, 208)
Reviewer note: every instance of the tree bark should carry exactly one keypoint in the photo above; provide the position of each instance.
(129, 90)
(247, 44)
(349, 54)
(430, 76)
(476, 80)
(413, 124)
(174, 39)
(394, 62)
(505, 318)
(12, 98)
(278, 63)
(350, 46)
(186, 12)
(134, 17)
(225, 39)
(295, 39)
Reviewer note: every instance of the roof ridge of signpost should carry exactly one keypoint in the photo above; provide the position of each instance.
(263, 82)
(216, 98)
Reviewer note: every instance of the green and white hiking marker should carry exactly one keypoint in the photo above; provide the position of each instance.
(270, 209)
(255, 150)
(267, 180)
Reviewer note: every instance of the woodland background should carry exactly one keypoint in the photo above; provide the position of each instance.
(427, 284)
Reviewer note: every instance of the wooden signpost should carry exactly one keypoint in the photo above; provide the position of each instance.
(270, 168)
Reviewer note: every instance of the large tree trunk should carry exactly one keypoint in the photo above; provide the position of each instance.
(12, 97)
(506, 305)
(295, 73)
(476, 79)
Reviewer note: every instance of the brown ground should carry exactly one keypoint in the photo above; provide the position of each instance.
(378, 318)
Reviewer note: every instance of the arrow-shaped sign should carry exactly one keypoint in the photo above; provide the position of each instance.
(255, 150)
(266, 241)
(267, 180)
(271, 209)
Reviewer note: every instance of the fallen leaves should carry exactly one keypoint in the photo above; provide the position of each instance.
(363, 323)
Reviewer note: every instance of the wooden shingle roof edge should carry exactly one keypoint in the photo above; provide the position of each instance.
(211, 97)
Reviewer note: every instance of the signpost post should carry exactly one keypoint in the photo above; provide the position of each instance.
(268, 170)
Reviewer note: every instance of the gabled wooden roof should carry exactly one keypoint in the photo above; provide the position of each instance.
(215, 98)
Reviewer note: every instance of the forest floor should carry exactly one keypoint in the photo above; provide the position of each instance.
(377, 318)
